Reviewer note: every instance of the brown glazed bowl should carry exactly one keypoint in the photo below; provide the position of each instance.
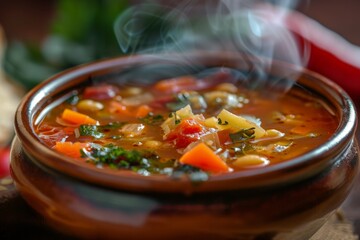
(289, 200)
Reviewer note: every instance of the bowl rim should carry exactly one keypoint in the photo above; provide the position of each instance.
(300, 167)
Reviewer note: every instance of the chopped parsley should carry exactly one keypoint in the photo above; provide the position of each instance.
(152, 119)
(143, 162)
(220, 122)
(98, 131)
(242, 135)
(242, 148)
(90, 130)
(181, 100)
(241, 142)
(112, 155)
(176, 119)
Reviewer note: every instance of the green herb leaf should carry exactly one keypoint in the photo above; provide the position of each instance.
(242, 135)
(242, 148)
(90, 130)
(99, 131)
(175, 116)
(181, 101)
(112, 155)
(143, 162)
(220, 122)
(152, 119)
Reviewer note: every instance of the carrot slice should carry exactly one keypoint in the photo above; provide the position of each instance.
(138, 112)
(77, 118)
(70, 149)
(116, 107)
(142, 111)
(203, 157)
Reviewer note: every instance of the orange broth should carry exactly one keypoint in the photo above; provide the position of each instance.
(153, 126)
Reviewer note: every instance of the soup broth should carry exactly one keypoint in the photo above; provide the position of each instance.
(185, 125)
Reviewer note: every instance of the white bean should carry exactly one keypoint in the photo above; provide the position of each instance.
(227, 87)
(152, 144)
(90, 105)
(251, 160)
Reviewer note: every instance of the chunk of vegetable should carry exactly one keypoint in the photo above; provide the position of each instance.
(138, 100)
(175, 118)
(175, 84)
(133, 129)
(187, 131)
(201, 156)
(216, 98)
(143, 111)
(138, 112)
(90, 105)
(211, 122)
(77, 118)
(100, 92)
(90, 130)
(70, 149)
(236, 123)
(116, 107)
(185, 112)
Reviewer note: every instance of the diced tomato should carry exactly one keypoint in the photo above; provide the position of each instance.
(100, 92)
(190, 83)
(175, 85)
(224, 136)
(52, 134)
(188, 131)
(4, 162)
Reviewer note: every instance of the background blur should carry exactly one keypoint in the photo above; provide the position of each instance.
(87, 34)
(30, 19)
(43, 37)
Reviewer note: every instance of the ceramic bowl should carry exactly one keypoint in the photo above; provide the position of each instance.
(289, 200)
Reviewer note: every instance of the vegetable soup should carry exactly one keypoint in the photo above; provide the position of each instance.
(191, 125)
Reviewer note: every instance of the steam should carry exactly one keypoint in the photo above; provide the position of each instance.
(235, 26)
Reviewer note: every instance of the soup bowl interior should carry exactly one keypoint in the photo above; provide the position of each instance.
(325, 173)
(133, 70)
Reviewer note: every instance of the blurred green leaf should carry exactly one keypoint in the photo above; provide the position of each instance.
(82, 31)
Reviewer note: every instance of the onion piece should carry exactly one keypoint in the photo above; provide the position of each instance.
(50, 137)
(64, 123)
(211, 139)
(132, 129)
